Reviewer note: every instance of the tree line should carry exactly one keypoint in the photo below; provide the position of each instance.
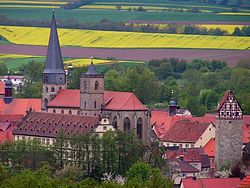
(108, 25)
(114, 156)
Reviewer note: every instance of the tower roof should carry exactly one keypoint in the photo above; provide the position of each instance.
(54, 63)
(92, 70)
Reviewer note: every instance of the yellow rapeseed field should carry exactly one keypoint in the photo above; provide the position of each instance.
(228, 28)
(235, 13)
(112, 39)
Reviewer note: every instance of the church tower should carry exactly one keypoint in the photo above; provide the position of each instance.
(91, 91)
(228, 134)
(54, 77)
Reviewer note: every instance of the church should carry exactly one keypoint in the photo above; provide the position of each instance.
(123, 109)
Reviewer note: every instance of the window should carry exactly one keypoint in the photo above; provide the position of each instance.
(54, 111)
(183, 175)
(84, 85)
(139, 128)
(45, 102)
(78, 112)
(187, 145)
(192, 145)
(85, 105)
(47, 141)
(52, 89)
(95, 104)
(43, 141)
(96, 85)
(23, 138)
(126, 123)
(46, 89)
(104, 127)
(115, 122)
(180, 145)
(70, 112)
(62, 111)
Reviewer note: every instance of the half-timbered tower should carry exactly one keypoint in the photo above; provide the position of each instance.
(228, 134)
(54, 77)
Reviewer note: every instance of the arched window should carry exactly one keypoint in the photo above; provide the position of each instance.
(126, 123)
(54, 110)
(84, 85)
(95, 104)
(139, 128)
(96, 85)
(85, 105)
(114, 123)
(52, 89)
(70, 112)
(62, 111)
(46, 89)
(45, 102)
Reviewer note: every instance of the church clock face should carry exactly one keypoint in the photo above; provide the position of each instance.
(45, 78)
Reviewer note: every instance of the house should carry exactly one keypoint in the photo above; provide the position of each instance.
(210, 182)
(16, 80)
(45, 127)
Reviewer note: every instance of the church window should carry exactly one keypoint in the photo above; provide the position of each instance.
(84, 85)
(52, 89)
(45, 102)
(70, 112)
(126, 123)
(115, 122)
(139, 128)
(54, 111)
(96, 85)
(62, 111)
(95, 104)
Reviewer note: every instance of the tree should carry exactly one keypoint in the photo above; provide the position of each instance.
(3, 69)
(113, 81)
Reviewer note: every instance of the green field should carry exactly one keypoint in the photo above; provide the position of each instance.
(157, 10)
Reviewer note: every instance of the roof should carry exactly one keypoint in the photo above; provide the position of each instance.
(92, 70)
(113, 100)
(19, 106)
(54, 62)
(210, 182)
(185, 131)
(6, 129)
(183, 166)
(1, 88)
(224, 99)
(11, 117)
(209, 148)
(50, 125)
(245, 183)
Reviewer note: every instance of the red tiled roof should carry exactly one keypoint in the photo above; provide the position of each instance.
(11, 117)
(6, 129)
(19, 106)
(189, 155)
(1, 88)
(185, 131)
(210, 182)
(113, 100)
(209, 148)
(245, 183)
(49, 124)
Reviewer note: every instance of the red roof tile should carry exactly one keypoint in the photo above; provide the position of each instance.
(245, 183)
(209, 148)
(189, 155)
(113, 100)
(19, 106)
(49, 124)
(6, 129)
(185, 131)
(183, 166)
(210, 182)
(11, 117)
(1, 88)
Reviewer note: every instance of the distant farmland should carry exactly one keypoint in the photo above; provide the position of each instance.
(111, 39)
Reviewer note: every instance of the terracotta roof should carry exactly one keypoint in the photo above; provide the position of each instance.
(211, 182)
(6, 129)
(50, 124)
(189, 154)
(11, 117)
(245, 183)
(183, 166)
(19, 106)
(209, 148)
(185, 131)
(1, 88)
(113, 100)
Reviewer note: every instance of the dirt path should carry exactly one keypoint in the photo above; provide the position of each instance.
(230, 56)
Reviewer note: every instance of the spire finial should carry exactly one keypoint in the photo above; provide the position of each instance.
(91, 60)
